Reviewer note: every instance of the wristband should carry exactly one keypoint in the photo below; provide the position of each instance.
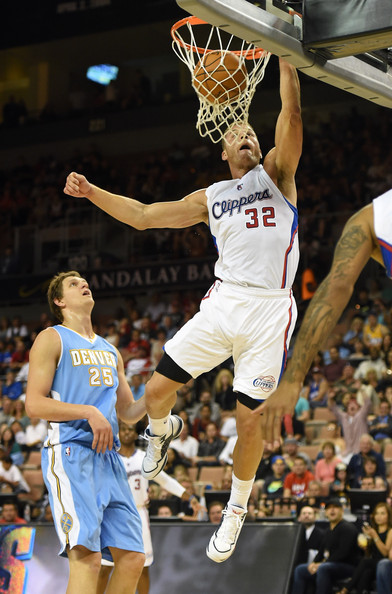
(192, 497)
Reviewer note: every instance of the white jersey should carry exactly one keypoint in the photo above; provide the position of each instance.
(382, 214)
(139, 488)
(255, 231)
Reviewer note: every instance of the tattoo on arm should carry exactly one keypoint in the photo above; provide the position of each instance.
(329, 300)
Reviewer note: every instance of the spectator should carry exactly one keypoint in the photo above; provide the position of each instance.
(206, 398)
(11, 447)
(325, 466)
(297, 481)
(291, 452)
(215, 512)
(375, 362)
(11, 388)
(11, 478)
(210, 448)
(137, 386)
(186, 445)
(358, 355)
(201, 421)
(381, 426)
(355, 468)
(112, 335)
(18, 413)
(9, 514)
(36, 433)
(340, 485)
(370, 471)
(347, 382)
(164, 511)
(6, 410)
(273, 484)
(377, 542)
(334, 370)
(223, 390)
(311, 535)
(353, 422)
(336, 558)
(316, 390)
(354, 333)
(173, 460)
(226, 455)
(373, 331)
(20, 356)
(17, 329)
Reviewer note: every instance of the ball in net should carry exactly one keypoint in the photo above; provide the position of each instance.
(220, 77)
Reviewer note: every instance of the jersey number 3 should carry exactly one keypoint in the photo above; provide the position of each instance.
(268, 217)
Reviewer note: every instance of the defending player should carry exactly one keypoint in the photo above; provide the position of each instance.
(250, 312)
(367, 234)
(132, 459)
(90, 498)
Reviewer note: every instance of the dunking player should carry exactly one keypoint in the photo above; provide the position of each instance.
(367, 234)
(249, 313)
(132, 458)
(89, 494)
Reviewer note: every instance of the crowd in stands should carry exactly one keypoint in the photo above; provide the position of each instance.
(340, 437)
(31, 193)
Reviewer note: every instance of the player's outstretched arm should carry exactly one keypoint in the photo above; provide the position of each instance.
(173, 215)
(44, 356)
(352, 252)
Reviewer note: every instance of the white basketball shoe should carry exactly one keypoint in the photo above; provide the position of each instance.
(224, 539)
(156, 453)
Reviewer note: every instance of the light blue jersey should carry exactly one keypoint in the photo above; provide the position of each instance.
(89, 494)
(86, 374)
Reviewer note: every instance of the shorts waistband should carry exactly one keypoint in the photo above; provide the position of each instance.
(257, 291)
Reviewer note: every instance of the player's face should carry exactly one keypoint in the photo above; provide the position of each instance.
(75, 292)
(242, 147)
(127, 434)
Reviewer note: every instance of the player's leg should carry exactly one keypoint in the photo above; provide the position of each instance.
(128, 566)
(246, 459)
(84, 567)
(103, 578)
(143, 585)
(198, 346)
(160, 395)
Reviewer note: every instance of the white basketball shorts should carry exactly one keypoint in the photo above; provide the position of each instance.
(252, 325)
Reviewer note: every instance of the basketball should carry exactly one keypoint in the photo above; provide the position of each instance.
(220, 77)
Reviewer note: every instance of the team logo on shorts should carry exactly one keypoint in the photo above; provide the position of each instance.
(66, 522)
(265, 382)
(68, 451)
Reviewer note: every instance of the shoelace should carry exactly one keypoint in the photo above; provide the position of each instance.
(156, 445)
(229, 528)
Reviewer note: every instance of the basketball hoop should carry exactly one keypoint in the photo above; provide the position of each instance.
(225, 71)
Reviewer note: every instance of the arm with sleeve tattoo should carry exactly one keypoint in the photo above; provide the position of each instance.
(352, 252)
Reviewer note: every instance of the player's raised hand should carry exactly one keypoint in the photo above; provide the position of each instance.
(77, 185)
(102, 431)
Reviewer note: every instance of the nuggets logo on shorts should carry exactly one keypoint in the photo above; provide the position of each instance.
(66, 522)
(266, 383)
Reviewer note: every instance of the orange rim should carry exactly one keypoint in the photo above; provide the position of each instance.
(192, 20)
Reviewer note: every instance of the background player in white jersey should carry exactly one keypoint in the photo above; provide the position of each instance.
(132, 458)
(90, 498)
(249, 313)
(367, 234)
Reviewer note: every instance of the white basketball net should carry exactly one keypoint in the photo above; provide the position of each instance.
(214, 116)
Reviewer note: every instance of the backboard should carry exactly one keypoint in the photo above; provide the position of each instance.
(279, 30)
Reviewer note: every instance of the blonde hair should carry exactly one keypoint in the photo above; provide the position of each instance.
(55, 291)
(218, 380)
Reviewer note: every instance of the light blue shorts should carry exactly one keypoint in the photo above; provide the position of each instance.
(91, 501)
